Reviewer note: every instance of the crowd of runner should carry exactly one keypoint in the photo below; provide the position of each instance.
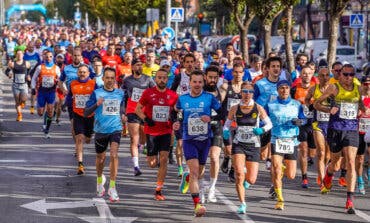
(176, 102)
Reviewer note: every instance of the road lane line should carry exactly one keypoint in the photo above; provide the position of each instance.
(362, 215)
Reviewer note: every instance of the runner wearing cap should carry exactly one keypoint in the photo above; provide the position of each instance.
(133, 86)
(286, 115)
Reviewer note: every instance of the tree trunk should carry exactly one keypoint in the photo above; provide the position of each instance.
(244, 43)
(288, 39)
(309, 20)
(333, 36)
(267, 36)
(275, 24)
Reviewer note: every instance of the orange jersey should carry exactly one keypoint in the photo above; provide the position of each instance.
(81, 92)
(47, 77)
(300, 92)
(123, 70)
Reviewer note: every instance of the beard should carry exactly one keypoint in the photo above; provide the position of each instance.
(161, 85)
(210, 88)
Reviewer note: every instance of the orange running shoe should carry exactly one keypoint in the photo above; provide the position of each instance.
(342, 182)
(19, 117)
(159, 196)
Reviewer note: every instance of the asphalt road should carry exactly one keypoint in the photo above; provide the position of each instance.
(39, 184)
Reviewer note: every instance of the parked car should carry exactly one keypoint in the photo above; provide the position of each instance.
(345, 54)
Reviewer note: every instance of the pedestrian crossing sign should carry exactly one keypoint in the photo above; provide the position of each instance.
(356, 21)
(177, 15)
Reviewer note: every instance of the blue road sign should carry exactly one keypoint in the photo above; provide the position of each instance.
(356, 21)
(177, 15)
(169, 31)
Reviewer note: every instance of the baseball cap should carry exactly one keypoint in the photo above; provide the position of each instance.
(281, 83)
(365, 79)
(135, 61)
(165, 63)
(60, 55)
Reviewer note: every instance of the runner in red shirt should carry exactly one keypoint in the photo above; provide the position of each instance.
(155, 108)
(111, 59)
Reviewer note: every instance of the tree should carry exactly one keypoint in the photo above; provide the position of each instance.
(266, 11)
(335, 11)
(288, 20)
(243, 17)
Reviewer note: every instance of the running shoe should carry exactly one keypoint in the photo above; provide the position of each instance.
(23, 105)
(350, 208)
(232, 175)
(113, 195)
(304, 183)
(246, 184)
(32, 110)
(158, 196)
(272, 193)
(279, 205)
(137, 171)
(180, 171)
(268, 164)
(47, 136)
(242, 209)
(327, 184)
(318, 181)
(225, 165)
(212, 196)
(80, 169)
(342, 182)
(184, 185)
(361, 187)
(100, 190)
(19, 117)
(199, 210)
(57, 121)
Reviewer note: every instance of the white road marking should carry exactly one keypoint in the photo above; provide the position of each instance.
(362, 215)
(12, 161)
(42, 207)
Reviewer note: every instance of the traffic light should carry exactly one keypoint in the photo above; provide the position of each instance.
(200, 17)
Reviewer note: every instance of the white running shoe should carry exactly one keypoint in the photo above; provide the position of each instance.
(100, 190)
(113, 195)
(212, 196)
(47, 135)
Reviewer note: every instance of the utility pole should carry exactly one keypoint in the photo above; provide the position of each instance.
(168, 12)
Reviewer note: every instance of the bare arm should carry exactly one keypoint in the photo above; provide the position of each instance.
(139, 111)
(330, 91)
(307, 100)
(223, 91)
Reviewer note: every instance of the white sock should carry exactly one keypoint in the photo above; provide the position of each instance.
(135, 160)
(212, 183)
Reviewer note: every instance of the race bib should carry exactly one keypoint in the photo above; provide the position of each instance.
(348, 110)
(111, 107)
(197, 127)
(80, 100)
(47, 82)
(136, 94)
(231, 102)
(364, 124)
(322, 116)
(284, 146)
(20, 78)
(307, 112)
(245, 134)
(160, 113)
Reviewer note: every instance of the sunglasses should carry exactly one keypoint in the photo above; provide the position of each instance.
(246, 91)
(366, 84)
(337, 71)
(349, 74)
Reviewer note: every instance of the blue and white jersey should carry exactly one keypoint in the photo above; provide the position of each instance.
(265, 91)
(33, 58)
(193, 109)
(69, 74)
(281, 113)
(99, 81)
(10, 46)
(107, 115)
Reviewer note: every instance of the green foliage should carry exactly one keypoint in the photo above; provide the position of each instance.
(266, 10)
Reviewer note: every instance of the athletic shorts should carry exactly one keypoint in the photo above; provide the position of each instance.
(265, 138)
(337, 139)
(194, 149)
(44, 98)
(322, 127)
(156, 144)
(60, 94)
(251, 153)
(362, 145)
(18, 89)
(133, 118)
(285, 156)
(82, 125)
(306, 135)
(217, 139)
(102, 140)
